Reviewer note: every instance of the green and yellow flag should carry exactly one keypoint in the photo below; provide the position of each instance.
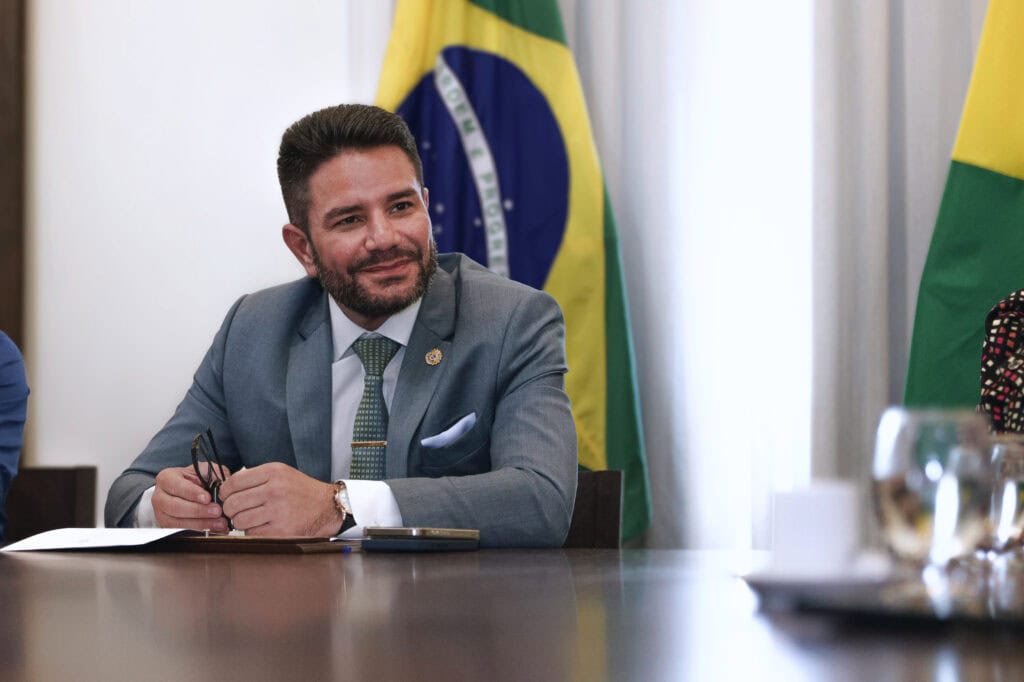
(490, 90)
(977, 251)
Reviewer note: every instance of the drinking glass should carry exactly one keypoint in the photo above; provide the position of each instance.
(932, 479)
(1006, 577)
(1007, 514)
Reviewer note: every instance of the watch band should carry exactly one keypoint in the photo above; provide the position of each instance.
(343, 507)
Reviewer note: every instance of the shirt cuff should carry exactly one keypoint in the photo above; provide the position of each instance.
(144, 516)
(373, 504)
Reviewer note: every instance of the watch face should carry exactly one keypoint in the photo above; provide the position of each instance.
(341, 500)
(343, 507)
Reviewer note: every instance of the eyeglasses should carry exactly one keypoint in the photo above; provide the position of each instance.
(204, 448)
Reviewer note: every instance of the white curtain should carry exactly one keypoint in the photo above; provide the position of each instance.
(890, 82)
(776, 170)
(702, 114)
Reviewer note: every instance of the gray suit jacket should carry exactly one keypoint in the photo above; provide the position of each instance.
(264, 388)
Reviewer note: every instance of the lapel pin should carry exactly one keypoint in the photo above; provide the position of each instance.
(433, 357)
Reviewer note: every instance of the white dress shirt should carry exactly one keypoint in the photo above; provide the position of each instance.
(373, 503)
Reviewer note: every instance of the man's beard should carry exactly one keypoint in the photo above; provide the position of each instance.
(347, 292)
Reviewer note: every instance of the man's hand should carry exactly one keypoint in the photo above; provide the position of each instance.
(276, 499)
(180, 501)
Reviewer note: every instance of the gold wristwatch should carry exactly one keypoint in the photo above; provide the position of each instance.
(343, 507)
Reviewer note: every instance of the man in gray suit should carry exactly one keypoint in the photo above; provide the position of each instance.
(479, 432)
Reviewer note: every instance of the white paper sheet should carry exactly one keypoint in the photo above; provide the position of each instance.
(88, 538)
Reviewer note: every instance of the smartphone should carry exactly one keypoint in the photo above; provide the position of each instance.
(380, 539)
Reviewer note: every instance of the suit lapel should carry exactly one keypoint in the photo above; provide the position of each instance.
(418, 379)
(308, 392)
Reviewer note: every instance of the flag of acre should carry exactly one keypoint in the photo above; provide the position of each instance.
(976, 256)
(491, 92)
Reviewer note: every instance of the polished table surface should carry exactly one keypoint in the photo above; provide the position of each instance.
(490, 615)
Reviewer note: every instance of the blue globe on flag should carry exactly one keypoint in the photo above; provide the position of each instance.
(494, 162)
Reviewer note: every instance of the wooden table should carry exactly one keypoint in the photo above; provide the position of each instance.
(492, 615)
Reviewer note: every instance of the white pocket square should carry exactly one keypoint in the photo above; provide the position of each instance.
(452, 434)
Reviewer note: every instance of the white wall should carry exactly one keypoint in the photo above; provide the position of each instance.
(152, 199)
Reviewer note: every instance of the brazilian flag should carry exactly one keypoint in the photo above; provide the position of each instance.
(978, 245)
(490, 90)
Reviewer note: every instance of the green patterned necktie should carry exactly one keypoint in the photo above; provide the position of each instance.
(370, 432)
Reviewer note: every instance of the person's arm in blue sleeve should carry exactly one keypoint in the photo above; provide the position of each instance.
(13, 408)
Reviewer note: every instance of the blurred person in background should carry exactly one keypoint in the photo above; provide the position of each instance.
(13, 407)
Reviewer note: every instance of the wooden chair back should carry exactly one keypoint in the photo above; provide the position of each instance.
(597, 514)
(45, 498)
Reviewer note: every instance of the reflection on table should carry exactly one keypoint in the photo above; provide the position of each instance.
(489, 615)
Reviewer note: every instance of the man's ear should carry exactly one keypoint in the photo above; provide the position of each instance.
(298, 244)
(426, 197)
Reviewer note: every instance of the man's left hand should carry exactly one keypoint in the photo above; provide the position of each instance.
(276, 499)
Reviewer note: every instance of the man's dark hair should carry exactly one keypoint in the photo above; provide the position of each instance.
(324, 134)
